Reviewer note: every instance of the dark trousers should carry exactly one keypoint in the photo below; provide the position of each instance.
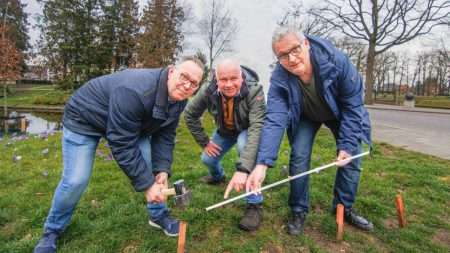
(347, 177)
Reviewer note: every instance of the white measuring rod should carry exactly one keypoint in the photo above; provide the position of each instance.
(316, 170)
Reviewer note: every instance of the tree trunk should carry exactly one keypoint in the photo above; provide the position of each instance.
(369, 73)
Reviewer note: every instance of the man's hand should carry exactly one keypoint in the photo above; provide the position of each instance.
(161, 178)
(237, 183)
(154, 193)
(212, 149)
(341, 156)
(256, 178)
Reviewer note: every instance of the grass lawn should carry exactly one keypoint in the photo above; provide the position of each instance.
(39, 95)
(111, 217)
(438, 102)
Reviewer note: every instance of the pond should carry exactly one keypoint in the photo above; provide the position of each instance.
(30, 123)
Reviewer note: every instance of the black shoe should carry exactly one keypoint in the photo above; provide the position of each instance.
(296, 223)
(252, 218)
(353, 218)
(47, 244)
(210, 180)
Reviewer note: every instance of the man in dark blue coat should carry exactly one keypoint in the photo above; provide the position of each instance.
(312, 84)
(137, 112)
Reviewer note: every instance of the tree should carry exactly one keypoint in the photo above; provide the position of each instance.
(354, 49)
(118, 29)
(70, 41)
(309, 24)
(162, 37)
(217, 28)
(383, 24)
(12, 14)
(10, 59)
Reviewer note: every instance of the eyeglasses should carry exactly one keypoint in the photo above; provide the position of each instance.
(295, 51)
(184, 78)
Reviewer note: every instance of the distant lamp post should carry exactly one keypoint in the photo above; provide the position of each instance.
(409, 100)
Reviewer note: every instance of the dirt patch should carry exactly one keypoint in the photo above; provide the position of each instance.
(8, 229)
(330, 244)
(445, 179)
(369, 238)
(390, 223)
(385, 150)
(131, 247)
(325, 243)
(442, 237)
(381, 174)
(317, 209)
(199, 237)
(270, 248)
(26, 238)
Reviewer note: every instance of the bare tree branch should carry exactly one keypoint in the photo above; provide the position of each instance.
(218, 29)
(383, 23)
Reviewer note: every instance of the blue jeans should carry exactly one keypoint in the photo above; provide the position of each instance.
(347, 177)
(78, 160)
(214, 163)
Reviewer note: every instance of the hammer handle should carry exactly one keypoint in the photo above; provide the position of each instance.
(168, 192)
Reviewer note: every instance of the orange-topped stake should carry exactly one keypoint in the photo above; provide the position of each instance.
(340, 222)
(400, 211)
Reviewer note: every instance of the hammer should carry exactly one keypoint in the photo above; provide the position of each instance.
(182, 195)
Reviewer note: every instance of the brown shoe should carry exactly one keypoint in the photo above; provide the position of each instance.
(252, 218)
(210, 180)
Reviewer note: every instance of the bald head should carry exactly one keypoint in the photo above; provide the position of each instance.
(227, 64)
(229, 77)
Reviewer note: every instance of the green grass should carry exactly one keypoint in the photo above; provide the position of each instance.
(442, 102)
(438, 102)
(39, 95)
(111, 217)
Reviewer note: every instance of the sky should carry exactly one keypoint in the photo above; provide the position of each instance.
(256, 20)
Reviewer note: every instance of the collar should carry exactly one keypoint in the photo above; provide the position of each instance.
(161, 108)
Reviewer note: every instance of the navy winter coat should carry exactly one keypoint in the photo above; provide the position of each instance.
(123, 107)
(342, 88)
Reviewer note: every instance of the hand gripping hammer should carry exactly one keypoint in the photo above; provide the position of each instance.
(182, 195)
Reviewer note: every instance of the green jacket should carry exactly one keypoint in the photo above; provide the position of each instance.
(249, 111)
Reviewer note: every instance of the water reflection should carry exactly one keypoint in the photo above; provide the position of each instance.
(35, 123)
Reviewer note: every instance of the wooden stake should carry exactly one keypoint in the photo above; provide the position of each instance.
(400, 211)
(23, 124)
(182, 237)
(340, 222)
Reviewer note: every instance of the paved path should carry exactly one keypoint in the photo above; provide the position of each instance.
(423, 130)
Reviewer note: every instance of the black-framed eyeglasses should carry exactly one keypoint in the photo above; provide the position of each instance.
(184, 78)
(295, 51)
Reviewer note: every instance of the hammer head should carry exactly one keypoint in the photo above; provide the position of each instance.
(182, 195)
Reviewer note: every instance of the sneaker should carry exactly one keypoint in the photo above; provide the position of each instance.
(169, 225)
(353, 218)
(212, 181)
(47, 244)
(296, 223)
(252, 218)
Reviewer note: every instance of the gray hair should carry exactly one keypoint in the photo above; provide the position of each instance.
(193, 59)
(283, 30)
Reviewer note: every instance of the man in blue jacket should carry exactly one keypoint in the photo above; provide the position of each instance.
(137, 112)
(312, 84)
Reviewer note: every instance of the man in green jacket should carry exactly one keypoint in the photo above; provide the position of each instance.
(236, 101)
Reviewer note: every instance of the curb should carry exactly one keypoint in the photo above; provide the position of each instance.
(56, 109)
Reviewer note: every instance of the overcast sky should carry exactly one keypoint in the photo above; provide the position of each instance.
(256, 21)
